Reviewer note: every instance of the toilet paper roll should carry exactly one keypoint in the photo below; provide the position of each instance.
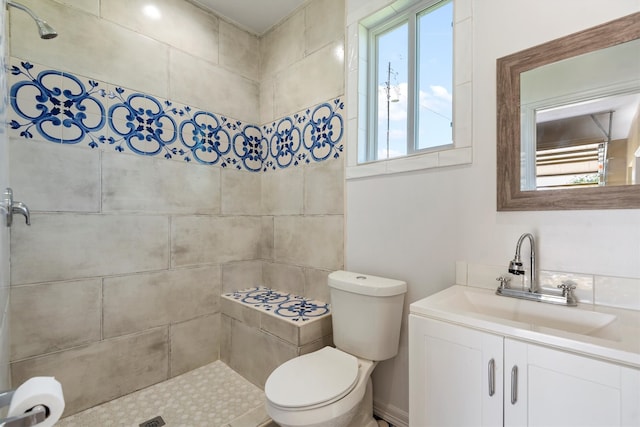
(36, 391)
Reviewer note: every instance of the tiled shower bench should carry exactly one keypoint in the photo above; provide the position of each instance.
(263, 328)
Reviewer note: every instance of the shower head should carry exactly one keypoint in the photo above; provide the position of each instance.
(46, 31)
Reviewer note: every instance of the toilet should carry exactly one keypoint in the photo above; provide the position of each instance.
(332, 386)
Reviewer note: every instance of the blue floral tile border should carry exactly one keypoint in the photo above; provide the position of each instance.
(290, 307)
(62, 108)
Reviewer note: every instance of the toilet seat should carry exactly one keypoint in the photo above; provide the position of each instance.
(312, 380)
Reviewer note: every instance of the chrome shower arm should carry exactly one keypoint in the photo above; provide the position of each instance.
(23, 8)
(46, 31)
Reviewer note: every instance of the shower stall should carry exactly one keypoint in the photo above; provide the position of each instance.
(157, 178)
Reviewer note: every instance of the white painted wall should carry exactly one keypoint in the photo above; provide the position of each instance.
(414, 226)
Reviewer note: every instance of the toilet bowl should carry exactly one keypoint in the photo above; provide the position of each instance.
(332, 387)
(336, 400)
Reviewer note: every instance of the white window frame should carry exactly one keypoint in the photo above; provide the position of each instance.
(361, 18)
(410, 17)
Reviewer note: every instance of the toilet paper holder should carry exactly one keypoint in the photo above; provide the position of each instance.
(36, 415)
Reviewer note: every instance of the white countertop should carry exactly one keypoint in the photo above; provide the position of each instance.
(578, 331)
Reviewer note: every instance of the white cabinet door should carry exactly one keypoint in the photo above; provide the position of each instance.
(455, 375)
(555, 388)
(462, 377)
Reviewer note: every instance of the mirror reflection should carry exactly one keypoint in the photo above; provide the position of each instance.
(580, 121)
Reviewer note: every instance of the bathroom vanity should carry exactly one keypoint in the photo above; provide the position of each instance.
(476, 358)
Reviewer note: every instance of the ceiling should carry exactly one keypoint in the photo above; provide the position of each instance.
(624, 108)
(255, 16)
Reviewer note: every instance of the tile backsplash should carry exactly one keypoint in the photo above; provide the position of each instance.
(621, 292)
(61, 107)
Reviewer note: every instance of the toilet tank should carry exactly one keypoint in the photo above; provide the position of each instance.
(366, 312)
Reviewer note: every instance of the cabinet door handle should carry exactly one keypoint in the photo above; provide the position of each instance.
(514, 384)
(492, 377)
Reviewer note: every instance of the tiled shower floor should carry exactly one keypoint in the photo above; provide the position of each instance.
(211, 396)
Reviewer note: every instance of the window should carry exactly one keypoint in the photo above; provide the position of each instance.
(410, 91)
(415, 143)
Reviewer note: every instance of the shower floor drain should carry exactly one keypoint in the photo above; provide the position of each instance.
(153, 422)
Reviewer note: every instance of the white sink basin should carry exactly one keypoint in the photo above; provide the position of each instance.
(529, 314)
(604, 332)
(535, 314)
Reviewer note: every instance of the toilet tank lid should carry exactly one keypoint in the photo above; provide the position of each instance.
(366, 284)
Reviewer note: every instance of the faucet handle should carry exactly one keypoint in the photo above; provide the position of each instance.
(567, 289)
(21, 208)
(504, 281)
(8, 207)
(567, 286)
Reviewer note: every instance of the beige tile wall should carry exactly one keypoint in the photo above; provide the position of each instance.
(103, 370)
(143, 301)
(50, 175)
(116, 285)
(139, 184)
(193, 341)
(303, 60)
(302, 65)
(86, 283)
(114, 50)
(55, 316)
(5, 279)
(256, 343)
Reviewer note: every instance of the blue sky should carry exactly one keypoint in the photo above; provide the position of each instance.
(435, 65)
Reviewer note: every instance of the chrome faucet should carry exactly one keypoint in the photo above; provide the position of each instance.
(22, 209)
(516, 267)
(533, 293)
(8, 207)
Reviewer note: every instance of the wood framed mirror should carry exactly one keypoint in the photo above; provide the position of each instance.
(512, 194)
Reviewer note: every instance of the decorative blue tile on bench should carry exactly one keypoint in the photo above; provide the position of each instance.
(291, 307)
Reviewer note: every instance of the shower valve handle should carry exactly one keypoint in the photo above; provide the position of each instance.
(9, 207)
